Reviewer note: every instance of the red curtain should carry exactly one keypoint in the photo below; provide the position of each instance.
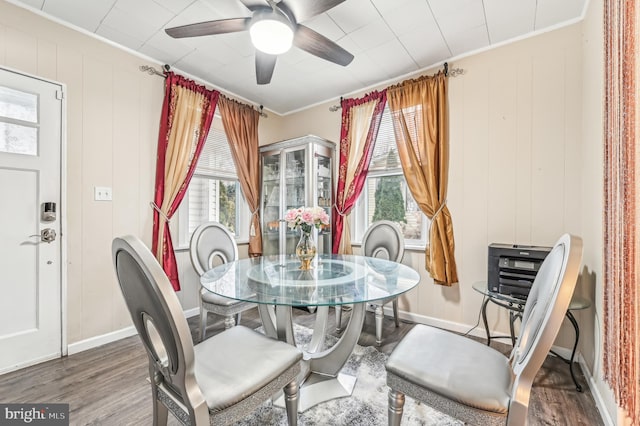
(176, 137)
(346, 195)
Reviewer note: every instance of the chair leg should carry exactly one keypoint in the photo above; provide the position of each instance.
(338, 318)
(238, 316)
(291, 402)
(203, 322)
(229, 322)
(379, 318)
(396, 406)
(395, 312)
(160, 411)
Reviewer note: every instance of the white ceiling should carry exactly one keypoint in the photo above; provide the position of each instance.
(389, 39)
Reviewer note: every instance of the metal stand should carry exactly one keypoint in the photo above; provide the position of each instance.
(515, 312)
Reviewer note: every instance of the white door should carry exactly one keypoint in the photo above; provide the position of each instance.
(30, 269)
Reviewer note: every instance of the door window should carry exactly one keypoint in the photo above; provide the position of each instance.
(18, 122)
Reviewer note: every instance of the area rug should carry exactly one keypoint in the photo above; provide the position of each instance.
(367, 406)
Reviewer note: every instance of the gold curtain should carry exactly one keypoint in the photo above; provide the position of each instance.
(241, 126)
(419, 109)
(621, 354)
(183, 138)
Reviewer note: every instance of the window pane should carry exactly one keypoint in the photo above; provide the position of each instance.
(18, 105)
(213, 200)
(17, 139)
(390, 199)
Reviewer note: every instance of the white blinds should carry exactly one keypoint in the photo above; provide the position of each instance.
(385, 152)
(215, 158)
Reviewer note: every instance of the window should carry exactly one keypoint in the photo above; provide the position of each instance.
(385, 195)
(18, 122)
(214, 192)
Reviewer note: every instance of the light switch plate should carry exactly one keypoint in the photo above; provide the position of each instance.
(102, 193)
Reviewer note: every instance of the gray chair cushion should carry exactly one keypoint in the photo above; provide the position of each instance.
(455, 367)
(249, 360)
(213, 298)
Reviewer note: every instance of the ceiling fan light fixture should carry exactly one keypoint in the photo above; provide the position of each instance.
(271, 33)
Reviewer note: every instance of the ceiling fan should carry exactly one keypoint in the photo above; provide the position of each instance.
(274, 27)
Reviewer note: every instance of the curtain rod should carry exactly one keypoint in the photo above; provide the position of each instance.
(152, 71)
(453, 72)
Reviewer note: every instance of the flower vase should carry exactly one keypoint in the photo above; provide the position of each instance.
(306, 249)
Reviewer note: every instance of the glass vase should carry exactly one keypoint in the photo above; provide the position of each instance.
(306, 249)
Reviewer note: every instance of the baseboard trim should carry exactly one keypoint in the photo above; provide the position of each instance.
(456, 327)
(595, 391)
(192, 312)
(103, 339)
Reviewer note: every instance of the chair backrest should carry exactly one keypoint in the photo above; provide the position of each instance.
(211, 242)
(384, 240)
(543, 314)
(158, 318)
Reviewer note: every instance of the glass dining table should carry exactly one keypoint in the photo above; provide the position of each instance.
(277, 284)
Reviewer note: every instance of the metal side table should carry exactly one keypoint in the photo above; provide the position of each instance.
(515, 306)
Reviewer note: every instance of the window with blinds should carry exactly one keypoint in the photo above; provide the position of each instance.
(386, 195)
(214, 192)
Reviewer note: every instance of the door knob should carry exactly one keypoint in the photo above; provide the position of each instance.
(46, 235)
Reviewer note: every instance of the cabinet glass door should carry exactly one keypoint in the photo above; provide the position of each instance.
(271, 203)
(324, 200)
(295, 192)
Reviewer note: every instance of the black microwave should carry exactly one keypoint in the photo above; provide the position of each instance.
(512, 268)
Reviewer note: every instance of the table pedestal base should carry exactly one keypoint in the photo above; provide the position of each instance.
(320, 379)
(317, 389)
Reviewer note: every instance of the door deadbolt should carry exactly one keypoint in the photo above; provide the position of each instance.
(46, 235)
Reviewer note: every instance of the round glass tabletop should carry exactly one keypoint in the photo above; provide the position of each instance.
(333, 280)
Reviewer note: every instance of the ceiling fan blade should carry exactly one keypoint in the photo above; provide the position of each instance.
(317, 44)
(265, 64)
(305, 9)
(220, 26)
(255, 4)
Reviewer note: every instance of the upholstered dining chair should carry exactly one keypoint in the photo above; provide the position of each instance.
(217, 381)
(212, 244)
(383, 239)
(474, 382)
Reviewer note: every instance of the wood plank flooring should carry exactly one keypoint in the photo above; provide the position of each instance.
(108, 385)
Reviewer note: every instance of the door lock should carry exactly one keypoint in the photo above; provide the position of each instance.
(47, 235)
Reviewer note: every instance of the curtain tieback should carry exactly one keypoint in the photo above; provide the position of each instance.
(341, 213)
(439, 210)
(252, 231)
(433, 218)
(160, 212)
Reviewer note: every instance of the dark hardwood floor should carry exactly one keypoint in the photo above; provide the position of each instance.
(108, 385)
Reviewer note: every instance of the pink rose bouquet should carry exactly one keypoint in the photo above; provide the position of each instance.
(306, 218)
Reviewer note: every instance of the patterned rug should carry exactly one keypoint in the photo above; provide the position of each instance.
(366, 407)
